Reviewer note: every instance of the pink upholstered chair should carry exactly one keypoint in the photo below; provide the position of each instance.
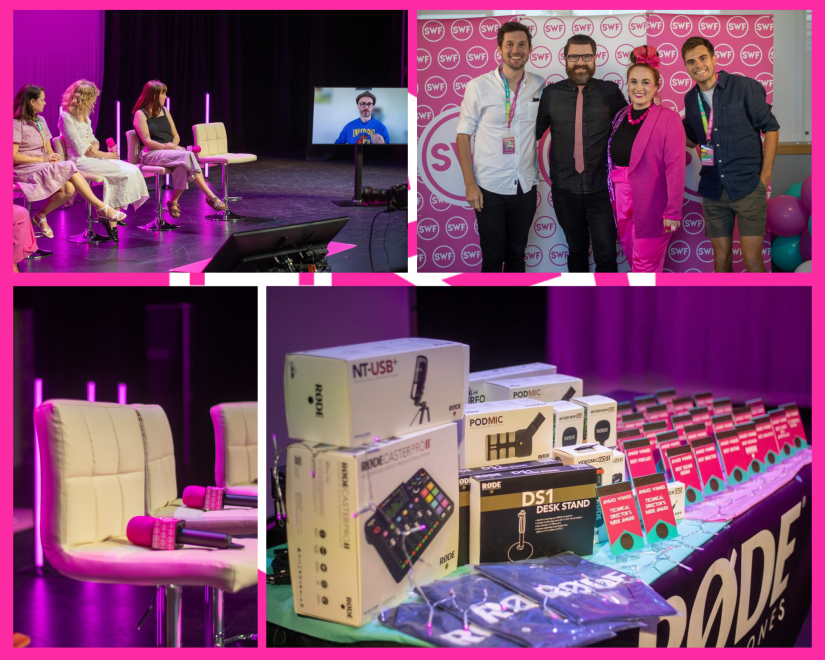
(93, 482)
(236, 446)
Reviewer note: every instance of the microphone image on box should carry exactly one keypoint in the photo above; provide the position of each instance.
(215, 499)
(522, 549)
(518, 444)
(171, 534)
(417, 392)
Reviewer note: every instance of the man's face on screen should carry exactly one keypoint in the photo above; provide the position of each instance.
(365, 106)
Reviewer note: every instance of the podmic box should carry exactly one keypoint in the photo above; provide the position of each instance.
(350, 395)
(568, 424)
(349, 561)
(553, 387)
(501, 432)
(479, 379)
(529, 514)
(599, 419)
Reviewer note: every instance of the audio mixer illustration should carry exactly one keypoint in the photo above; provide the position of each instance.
(418, 506)
(513, 444)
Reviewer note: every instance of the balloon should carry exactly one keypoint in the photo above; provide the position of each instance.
(795, 191)
(804, 267)
(786, 216)
(806, 193)
(805, 246)
(785, 253)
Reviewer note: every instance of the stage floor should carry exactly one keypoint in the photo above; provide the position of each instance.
(276, 192)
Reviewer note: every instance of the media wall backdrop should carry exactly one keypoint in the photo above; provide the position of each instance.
(452, 52)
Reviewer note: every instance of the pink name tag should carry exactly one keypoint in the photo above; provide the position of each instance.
(508, 145)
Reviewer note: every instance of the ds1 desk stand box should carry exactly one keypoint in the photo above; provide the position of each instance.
(553, 387)
(479, 379)
(347, 511)
(350, 395)
(599, 419)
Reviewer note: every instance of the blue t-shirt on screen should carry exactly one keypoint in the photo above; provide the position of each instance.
(357, 129)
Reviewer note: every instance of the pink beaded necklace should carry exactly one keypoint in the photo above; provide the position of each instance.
(633, 122)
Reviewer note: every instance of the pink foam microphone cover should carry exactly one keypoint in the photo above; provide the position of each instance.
(110, 142)
(194, 496)
(139, 530)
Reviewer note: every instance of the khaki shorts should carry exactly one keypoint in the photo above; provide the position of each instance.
(721, 215)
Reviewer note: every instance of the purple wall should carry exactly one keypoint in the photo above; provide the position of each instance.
(52, 49)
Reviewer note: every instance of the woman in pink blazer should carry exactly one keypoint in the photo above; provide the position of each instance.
(646, 168)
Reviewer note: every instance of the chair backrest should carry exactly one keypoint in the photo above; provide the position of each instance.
(93, 473)
(133, 147)
(236, 443)
(211, 138)
(161, 482)
(59, 147)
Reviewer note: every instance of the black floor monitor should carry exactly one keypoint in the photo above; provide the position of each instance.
(292, 248)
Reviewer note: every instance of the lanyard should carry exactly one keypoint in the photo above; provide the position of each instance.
(42, 135)
(510, 111)
(707, 122)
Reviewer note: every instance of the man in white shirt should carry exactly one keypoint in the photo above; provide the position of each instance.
(500, 109)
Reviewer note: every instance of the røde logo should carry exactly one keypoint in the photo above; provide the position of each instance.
(602, 56)
(420, 201)
(541, 57)
(558, 254)
(425, 115)
(544, 226)
(767, 82)
(737, 26)
(532, 256)
(427, 229)
(424, 59)
(553, 78)
(583, 25)
(477, 57)
(436, 87)
(531, 25)
(679, 251)
(611, 27)
(460, 85)
(433, 31)
(471, 255)
(693, 223)
(681, 25)
(444, 256)
(422, 259)
(668, 53)
(554, 28)
(638, 26)
(449, 58)
(456, 227)
(764, 26)
(705, 251)
(439, 203)
(616, 78)
(724, 55)
(489, 28)
(751, 55)
(654, 26)
(681, 82)
(709, 26)
(623, 54)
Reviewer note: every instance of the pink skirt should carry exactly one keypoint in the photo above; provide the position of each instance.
(42, 180)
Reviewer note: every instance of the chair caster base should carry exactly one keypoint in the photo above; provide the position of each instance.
(39, 254)
(159, 224)
(88, 236)
(226, 215)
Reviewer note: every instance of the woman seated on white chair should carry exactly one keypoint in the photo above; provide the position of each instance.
(156, 128)
(123, 183)
(39, 171)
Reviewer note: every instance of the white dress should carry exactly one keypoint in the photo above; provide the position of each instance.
(123, 183)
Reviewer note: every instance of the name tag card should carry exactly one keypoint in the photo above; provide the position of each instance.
(624, 530)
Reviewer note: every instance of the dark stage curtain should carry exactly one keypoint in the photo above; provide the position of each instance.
(259, 68)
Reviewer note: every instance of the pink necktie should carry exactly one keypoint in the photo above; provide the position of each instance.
(578, 146)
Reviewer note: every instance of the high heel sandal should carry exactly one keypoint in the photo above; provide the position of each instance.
(111, 231)
(173, 208)
(217, 203)
(42, 225)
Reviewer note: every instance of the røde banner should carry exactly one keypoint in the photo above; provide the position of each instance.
(453, 52)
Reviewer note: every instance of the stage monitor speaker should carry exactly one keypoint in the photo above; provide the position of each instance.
(300, 248)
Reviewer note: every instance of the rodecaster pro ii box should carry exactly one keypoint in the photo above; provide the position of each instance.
(528, 514)
(350, 395)
(359, 517)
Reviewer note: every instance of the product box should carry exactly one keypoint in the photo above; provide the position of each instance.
(350, 395)
(795, 426)
(756, 406)
(618, 467)
(659, 413)
(553, 387)
(682, 404)
(599, 457)
(644, 402)
(599, 419)
(516, 516)
(464, 476)
(666, 397)
(479, 379)
(677, 499)
(568, 424)
(348, 562)
(500, 432)
(742, 414)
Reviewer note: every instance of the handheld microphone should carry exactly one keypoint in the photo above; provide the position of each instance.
(213, 499)
(171, 534)
(194, 149)
(110, 143)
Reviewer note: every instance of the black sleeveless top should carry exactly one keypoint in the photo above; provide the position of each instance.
(621, 145)
(160, 130)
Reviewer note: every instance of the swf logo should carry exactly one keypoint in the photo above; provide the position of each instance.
(436, 87)
(427, 229)
(531, 25)
(544, 226)
(616, 78)
(681, 25)
(558, 254)
(532, 256)
(623, 54)
(424, 59)
(737, 26)
(444, 256)
(751, 55)
(736, 250)
(420, 201)
(583, 25)
(705, 252)
(456, 227)
(767, 82)
(461, 30)
(477, 57)
(460, 85)
(602, 56)
(611, 27)
(541, 57)
(638, 25)
(433, 31)
(422, 259)
(678, 251)
(709, 26)
(471, 255)
(553, 78)
(693, 223)
(449, 58)
(489, 28)
(764, 26)
(425, 115)
(554, 28)
(680, 82)
(668, 53)
(655, 25)
(724, 55)
(438, 203)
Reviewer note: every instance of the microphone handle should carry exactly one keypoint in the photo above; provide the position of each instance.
(204, 539)
(230, 499)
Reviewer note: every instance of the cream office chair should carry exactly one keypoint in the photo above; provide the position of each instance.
(236, 446)
(211, 138)
(93, 482)
(133, 148)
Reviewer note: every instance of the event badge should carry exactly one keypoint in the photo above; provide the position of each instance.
(508, 145)
(624, 530)
(706, 155)
(639, 457)
(709, 465)
(665, 441)
(800, 440)
(733, 456)
(683, 468)
(782, 431)
(657, 511)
